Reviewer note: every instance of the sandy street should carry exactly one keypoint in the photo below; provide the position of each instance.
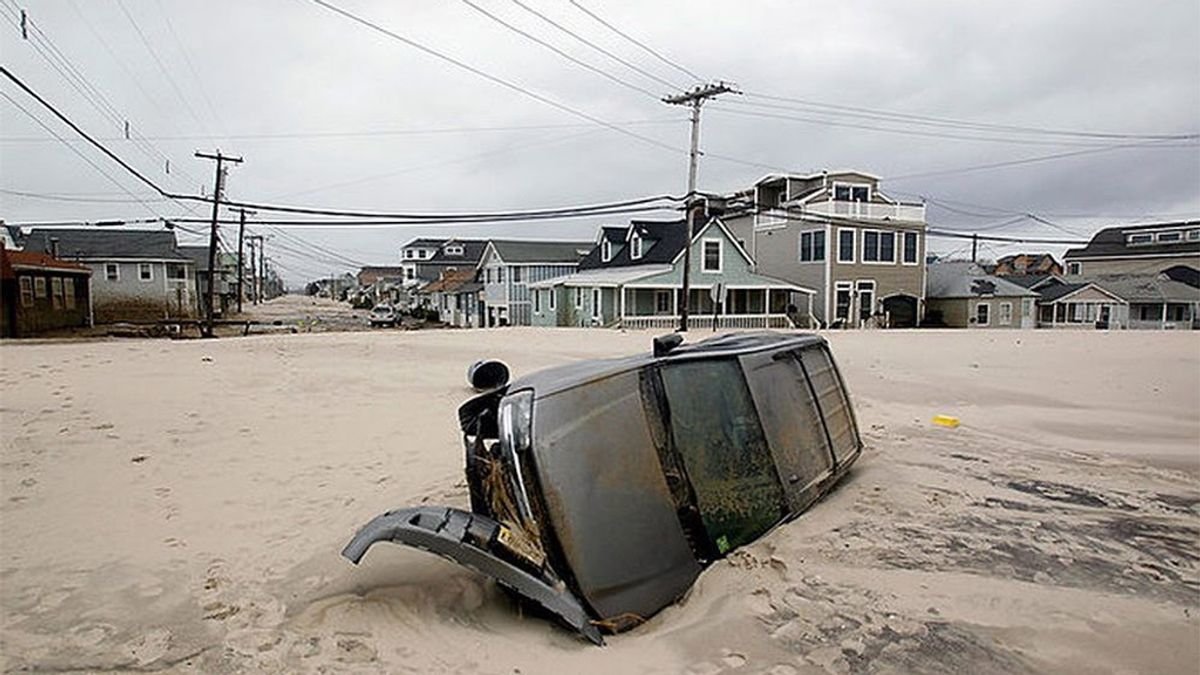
(180, 505)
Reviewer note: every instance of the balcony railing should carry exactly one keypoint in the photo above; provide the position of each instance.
(914, 213)
(733, 321)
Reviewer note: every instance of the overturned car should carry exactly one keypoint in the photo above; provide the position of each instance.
(600, 490)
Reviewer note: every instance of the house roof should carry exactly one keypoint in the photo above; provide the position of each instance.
(1111, 242)
(450, 280)
(31, 260)
(472, 251)
(107, 244)
(1184, 275)
(1055, 291)
(532, 251)
(1028, 280)
(605, 276)
(423, 242)
(662, 241)
(1143, 288)
(968, 280)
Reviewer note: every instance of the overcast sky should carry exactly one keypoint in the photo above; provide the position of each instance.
(327, 112)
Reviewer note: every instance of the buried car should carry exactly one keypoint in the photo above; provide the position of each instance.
(600, 490)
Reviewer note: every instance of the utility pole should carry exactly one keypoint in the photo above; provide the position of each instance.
(974, 246)
(241, 264)
(694, 99)
(212, 236)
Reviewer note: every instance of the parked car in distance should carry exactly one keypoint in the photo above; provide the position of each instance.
(600, 489)
(383, 315)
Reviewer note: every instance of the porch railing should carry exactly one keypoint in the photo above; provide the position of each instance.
(699, 321)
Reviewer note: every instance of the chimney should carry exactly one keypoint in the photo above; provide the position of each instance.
(53, 247)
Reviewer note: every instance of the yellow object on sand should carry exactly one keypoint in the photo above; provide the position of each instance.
(945, 421)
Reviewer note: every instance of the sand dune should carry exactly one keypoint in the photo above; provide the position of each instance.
(180, 506)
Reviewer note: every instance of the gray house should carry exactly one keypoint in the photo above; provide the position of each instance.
(963, 295)
(137, 275)
(508, 267)
(424, 260)
(838, 233)
(1137, 249)
(634, 278)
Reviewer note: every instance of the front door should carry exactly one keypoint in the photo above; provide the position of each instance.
(1105, 316)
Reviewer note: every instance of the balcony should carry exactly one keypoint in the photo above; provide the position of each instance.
(909, 213)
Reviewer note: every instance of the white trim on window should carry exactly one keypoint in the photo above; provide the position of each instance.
(663, 307)
(145, 272)
(1004, 316)
(880, 234)
(112, 272)
(987, 314)
(704, 256)
(26, 284)
(635, 246)
(812, 246)
(579, 298)
(853, 244)
(552, 302)
(597, 304)
(606, 251)
(1074, 268)
(852, 187)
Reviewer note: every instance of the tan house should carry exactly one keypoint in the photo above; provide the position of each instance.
(1137, 249)
(1027, 263)
(837, 233)
(963, 295)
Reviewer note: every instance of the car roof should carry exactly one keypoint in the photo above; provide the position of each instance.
(560, 378)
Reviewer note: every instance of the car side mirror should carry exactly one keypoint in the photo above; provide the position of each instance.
(487, 375)
(665, 344)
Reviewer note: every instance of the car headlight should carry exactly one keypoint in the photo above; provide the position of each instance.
(516, 438)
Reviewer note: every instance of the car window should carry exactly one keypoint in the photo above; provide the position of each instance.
(831, 397)
(791, 422)
(717, 432)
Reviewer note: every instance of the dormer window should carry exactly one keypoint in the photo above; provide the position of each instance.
(1141, 239)
(635, 246)
(454, 249)
(1193, 235)
(843, 192)
(606, 251)
(1170, 237)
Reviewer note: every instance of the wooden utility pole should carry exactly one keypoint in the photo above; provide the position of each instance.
(241, 263)
(694, 98)
(218, 190)
(974, 246)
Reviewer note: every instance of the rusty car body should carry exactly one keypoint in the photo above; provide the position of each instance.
(601, 489)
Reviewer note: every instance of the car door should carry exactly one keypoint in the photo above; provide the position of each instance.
(716, 431)
(792, 423)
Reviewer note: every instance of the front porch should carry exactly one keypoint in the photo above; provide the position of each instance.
(740, 308)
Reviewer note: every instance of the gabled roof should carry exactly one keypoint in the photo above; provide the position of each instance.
(1184, 275)
(517, 251)
(450, 281)
(97, 244)
(1144, 288)
(1111, 242)
(1032, 281)
(661, 242)
(423, 242)
(1062, 291)
(472, 251)
(737, 246)
(968, 280)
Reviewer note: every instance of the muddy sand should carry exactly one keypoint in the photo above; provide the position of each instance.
(179, 506)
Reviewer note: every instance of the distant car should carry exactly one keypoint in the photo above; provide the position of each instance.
(600, 490)
(383, 315)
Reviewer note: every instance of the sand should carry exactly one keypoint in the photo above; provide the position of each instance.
(180, 505)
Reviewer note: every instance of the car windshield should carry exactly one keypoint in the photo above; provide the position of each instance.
(717, 432)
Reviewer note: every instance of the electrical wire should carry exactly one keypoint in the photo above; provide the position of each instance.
(636, 42)
(582, 64)
(162, 68)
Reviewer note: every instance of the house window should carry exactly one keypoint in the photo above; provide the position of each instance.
(1170, 237)
(516, 275)
(454, 250)
(578, 298)
(879, 247)
(1074, 268)
(606, 251)
(408, 273)
(176, 272)
(1193, 235)
(39, 286)
(843, 290)
(597, 301)
(812, 246)
(26, 292)
(408, 255)
(537, 302)
(1005, 317)
(112, 271)
(1141, 239)
(145, 272)
(635, 246)
(845, 245)
(499, 275)
(56, 293)
(553, 300)
(69, 292)
(982, 311)
(487, 275)
(712, 258)
(851, 193)
(866, 299)
(662, 302)
(910, 248)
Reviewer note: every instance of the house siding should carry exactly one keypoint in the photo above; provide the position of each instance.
(959, 312)
(1141, 265)
(42, 316)
(130, 299)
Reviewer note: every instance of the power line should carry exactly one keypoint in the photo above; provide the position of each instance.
(187, 60)
(492, 78)
(582, 64)
(596, 47)
(71, 198)
(471, 219)
(570, 211)
(874, 113)
(163, 69)
(636, 42)
(1028, 160)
